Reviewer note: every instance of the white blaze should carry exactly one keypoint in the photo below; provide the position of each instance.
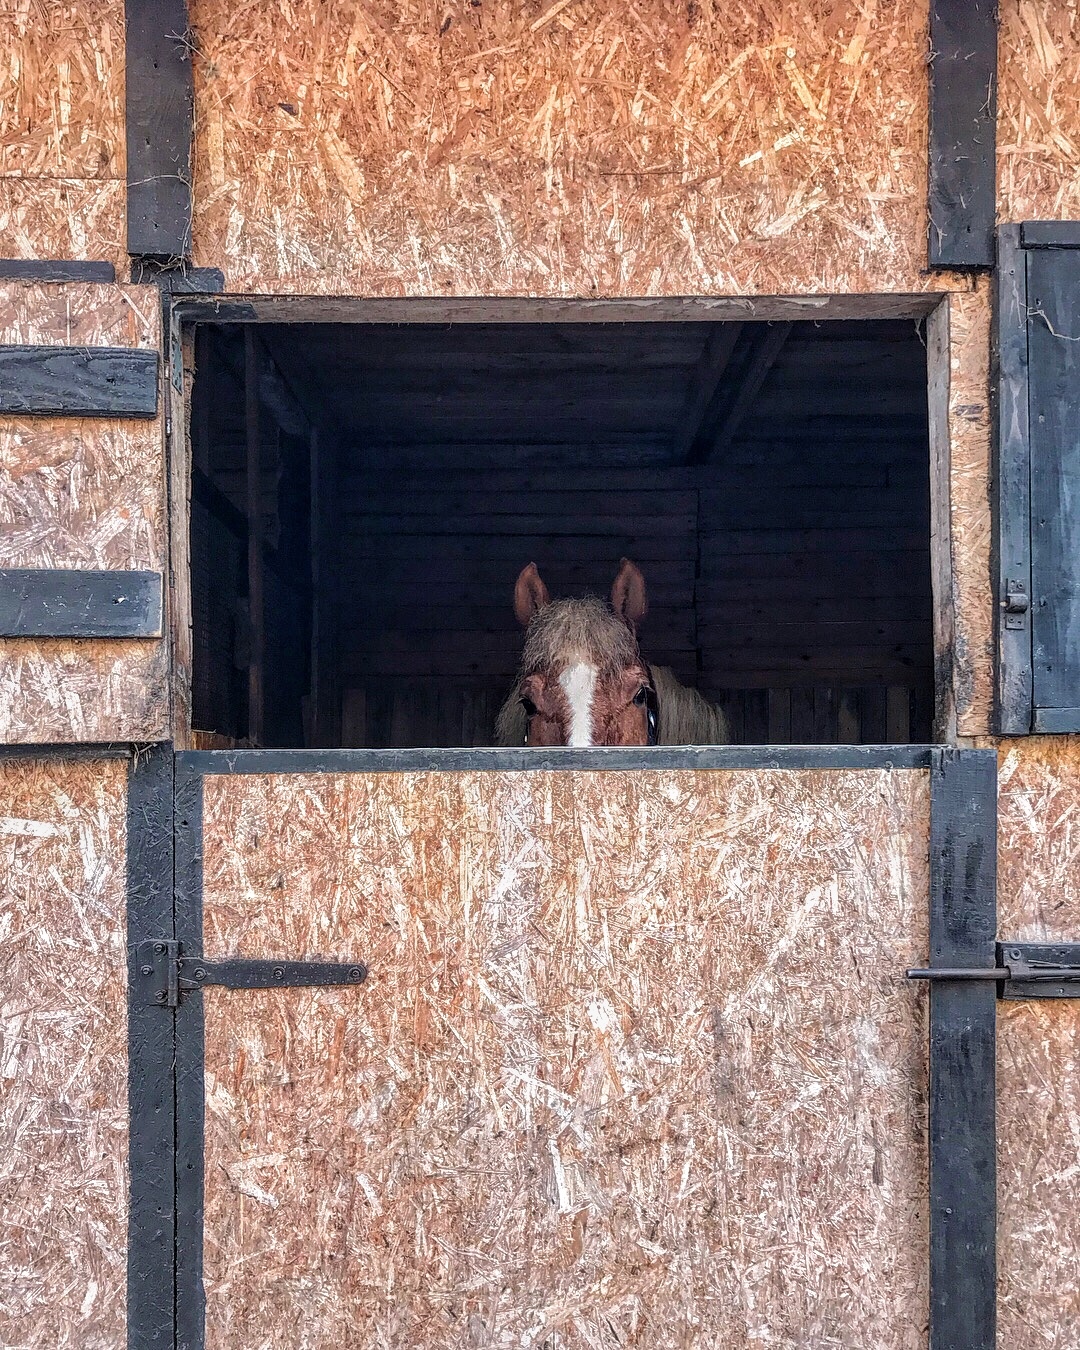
(579, 686)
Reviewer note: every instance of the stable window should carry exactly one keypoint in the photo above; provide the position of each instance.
(364, 495)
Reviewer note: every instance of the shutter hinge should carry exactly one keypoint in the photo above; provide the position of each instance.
(163, 973)
(1024, 970)
(1017, 604)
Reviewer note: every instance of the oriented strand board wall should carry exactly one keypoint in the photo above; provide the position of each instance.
(1039, 110)
(635, 1061)
(63, 1056)
(85, 493)
(62, 153)
(1039, 1050)
(562, 148)
(969, 503)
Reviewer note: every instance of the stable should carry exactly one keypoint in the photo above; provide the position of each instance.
(325, 1020)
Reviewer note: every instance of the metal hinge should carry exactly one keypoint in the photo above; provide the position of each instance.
(163, 973)
(1017, 604)
(1023, 970)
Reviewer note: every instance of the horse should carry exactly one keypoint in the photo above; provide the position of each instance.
(583, 680)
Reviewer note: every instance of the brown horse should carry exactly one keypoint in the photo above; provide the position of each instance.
(583, 680)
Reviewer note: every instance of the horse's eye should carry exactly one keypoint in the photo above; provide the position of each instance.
(530, 707)
(642, 696)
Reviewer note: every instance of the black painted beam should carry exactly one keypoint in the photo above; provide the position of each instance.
(151, 1058)
(159, 110)
(79, 381)
(55, 269)
(963, 112)
(963, 1177)
(54, 603)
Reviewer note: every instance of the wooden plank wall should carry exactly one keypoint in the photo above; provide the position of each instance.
(82, 493)
(63, 1055)
(632, 1065)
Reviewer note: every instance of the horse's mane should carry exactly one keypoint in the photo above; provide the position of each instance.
(685, 717)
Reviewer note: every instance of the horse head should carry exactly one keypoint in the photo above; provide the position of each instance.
(583, 680)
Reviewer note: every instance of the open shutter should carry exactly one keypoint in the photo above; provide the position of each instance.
(82, 513)
(1038, 478)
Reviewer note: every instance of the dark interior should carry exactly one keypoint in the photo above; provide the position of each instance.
(770, 479)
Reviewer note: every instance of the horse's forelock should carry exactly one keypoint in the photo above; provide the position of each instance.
(566, 632)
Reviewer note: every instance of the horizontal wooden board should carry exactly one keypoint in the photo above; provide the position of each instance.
(639, 543)
(83, 604)
(484, 527)
(79, 381)
(632, 1051)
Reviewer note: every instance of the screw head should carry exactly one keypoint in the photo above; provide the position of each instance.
(159, 997)
(147, 970)
(199, 973)
(159, 947)
(356, 973)
(279, 973)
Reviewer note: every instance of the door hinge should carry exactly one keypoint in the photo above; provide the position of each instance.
(1023, 970)
(163, 973)
(1017, 604)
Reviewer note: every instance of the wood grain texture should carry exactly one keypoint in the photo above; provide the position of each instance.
(970, 521)
(557, 149)
(633, 1063)
(1038, 111)
(82, 493)
(63, 1055)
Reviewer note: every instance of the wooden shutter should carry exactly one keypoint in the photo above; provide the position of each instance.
(1037, 497)
(83, 527)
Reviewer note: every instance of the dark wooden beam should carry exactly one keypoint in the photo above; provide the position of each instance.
(254, 537)
(697, 415)
(766, 346)
(79, 381)
(60, 603)
(963, 112)
(160, 101)
(55, 269)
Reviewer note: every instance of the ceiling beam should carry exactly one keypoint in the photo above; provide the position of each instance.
(766, 345)
(697, 414)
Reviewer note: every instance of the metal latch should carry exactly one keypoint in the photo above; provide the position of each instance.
(1017, 604)
(163, 973)
(1023, 970)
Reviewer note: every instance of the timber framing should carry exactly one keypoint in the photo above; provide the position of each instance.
(57, 603)
(963, 120)
(79, 381)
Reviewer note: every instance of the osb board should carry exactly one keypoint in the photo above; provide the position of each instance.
(635, 1062)
(1038, 110)
(1038, 1146)
(1039, 839)
(84, 493)
(63, 1056)
(969, 496)
(62, 153)
(566, 148)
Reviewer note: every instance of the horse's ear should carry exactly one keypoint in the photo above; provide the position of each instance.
(628, 598)
(530, 595)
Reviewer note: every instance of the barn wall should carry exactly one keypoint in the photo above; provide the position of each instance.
(82, 493)
(62, 152)
(555, 149)
(63, 1055)
(1038, 1048)
(671, 1085)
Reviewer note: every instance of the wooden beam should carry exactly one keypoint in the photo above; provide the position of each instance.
(79, 381)
(62, 603)
(159, 116)
(55, 269)
(254, 537)
(767, 345)
(963, 113)
(697, 415)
